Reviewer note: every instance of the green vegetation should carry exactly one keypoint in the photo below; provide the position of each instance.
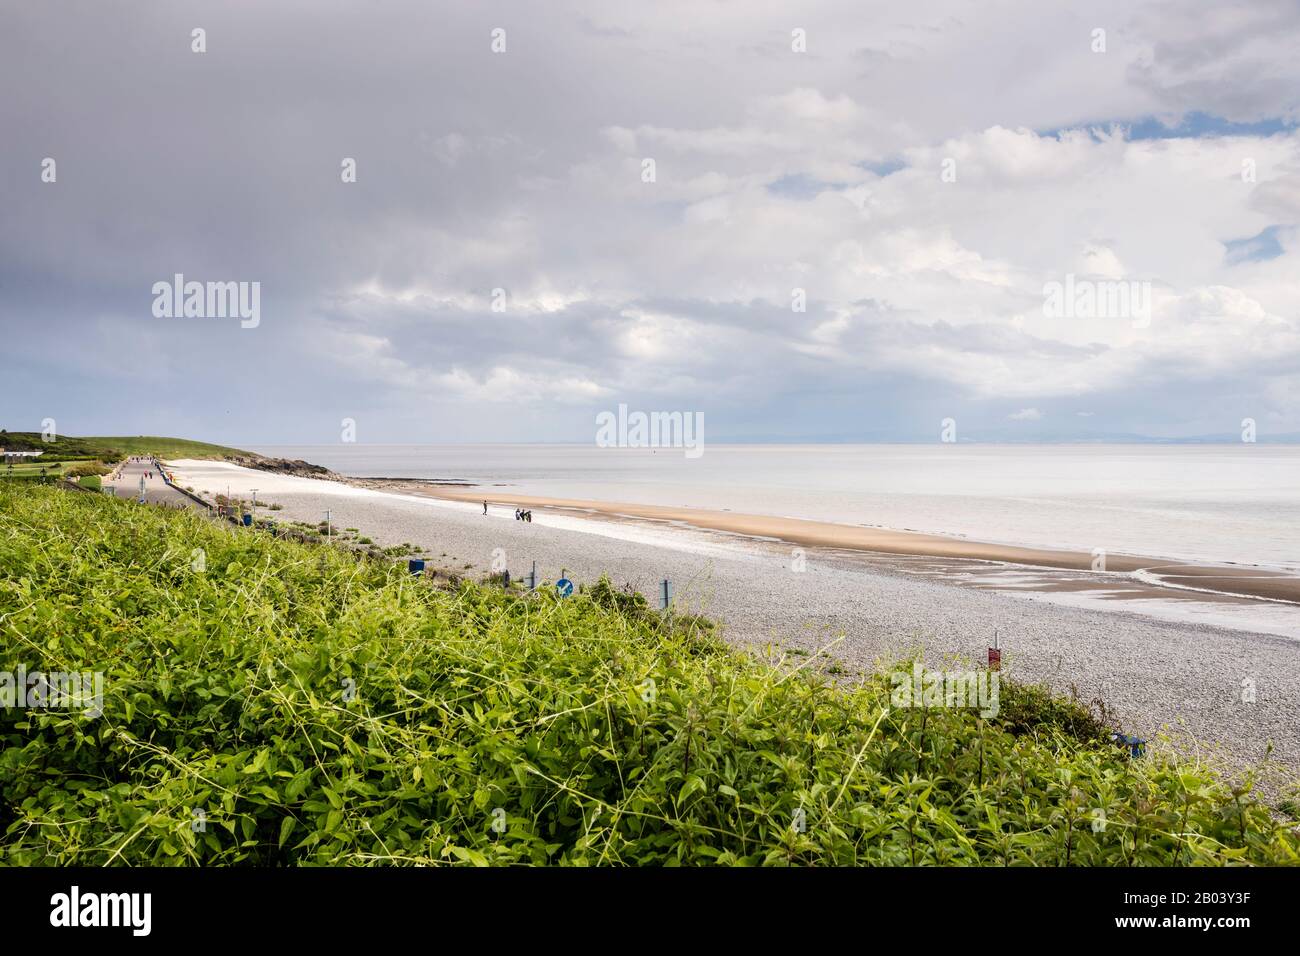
(169, 448)
(90, 481)
(43, 471)
(114, 448)
(82, 469)
(31, 470)
(60, 448)
(321, 707)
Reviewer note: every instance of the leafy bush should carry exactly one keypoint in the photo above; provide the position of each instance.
(315, 706)
(87, 468)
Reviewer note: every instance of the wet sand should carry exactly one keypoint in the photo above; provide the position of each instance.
(1149, 574)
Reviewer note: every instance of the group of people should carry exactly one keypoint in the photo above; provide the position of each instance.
(520, 513)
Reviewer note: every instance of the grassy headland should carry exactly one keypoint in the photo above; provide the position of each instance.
(115, 448)
(87, 458)
(276, 703)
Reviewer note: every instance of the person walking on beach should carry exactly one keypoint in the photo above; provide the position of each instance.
(485, 506)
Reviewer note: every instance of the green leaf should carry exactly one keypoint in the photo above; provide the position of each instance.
(692, 785)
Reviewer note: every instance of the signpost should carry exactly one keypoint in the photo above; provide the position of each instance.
(564, 587)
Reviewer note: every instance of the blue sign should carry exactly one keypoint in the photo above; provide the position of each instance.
(1136, 745)
(415, 566)
(564, 587)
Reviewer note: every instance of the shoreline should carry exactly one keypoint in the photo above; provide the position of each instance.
(1207, 582)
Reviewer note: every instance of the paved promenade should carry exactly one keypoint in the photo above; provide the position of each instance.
(156, 491)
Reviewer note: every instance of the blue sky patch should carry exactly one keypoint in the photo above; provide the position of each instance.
(1258, 248)
(1193, 125)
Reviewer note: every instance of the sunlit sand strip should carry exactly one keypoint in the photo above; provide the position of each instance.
(1239, 581)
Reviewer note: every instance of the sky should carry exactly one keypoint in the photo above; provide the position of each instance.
(816, 221)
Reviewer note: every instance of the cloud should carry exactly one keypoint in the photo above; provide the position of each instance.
(799, 267)
(1026, 415)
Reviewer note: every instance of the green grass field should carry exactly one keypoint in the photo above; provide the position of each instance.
(31, 469)
(274, 703)
(168, 447)
(116, 447)
(59, 467)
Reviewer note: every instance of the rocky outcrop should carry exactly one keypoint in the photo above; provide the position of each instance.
(282, 466)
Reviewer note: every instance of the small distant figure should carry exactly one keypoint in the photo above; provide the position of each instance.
(528, 516)
(518, 514)
(485, 506)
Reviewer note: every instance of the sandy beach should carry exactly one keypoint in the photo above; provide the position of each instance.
(1215, 582)
(1185, 665)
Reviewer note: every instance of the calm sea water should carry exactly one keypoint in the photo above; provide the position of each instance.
(1200, 502)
